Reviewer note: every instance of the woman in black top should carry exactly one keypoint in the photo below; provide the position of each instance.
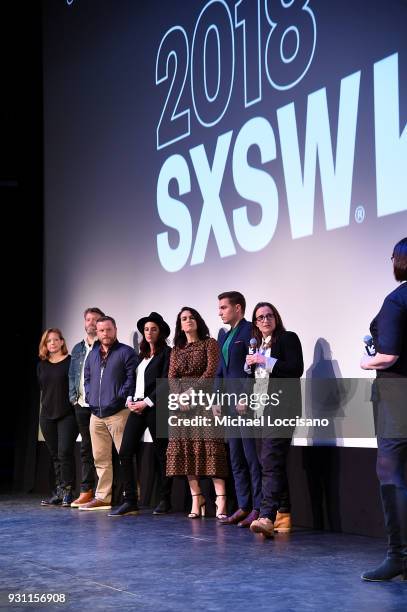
(57, 418)
(154, 359)
(389, 331)
(279, 357)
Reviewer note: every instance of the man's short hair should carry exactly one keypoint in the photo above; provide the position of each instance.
(234, 297)
(106, 318)
(95, 310)
(400, 260)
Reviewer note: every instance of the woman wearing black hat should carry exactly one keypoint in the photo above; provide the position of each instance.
(154, 359)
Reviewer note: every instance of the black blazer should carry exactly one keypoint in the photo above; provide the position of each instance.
(285, 379)
(288, 351)
(157, 368)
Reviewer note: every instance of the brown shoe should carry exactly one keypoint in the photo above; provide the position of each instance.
(234, 518)
(253, 516)
(264, 526)
(83, 498)
(282, 524)
(95, 504)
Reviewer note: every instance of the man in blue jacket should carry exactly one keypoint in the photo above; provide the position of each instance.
(109, 380)
(243, 456)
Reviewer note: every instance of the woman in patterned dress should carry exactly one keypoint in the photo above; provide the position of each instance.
(195, 451)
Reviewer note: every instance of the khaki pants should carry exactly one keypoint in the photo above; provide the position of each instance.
(102, 433)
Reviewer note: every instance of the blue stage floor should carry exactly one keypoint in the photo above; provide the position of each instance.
(172, 563)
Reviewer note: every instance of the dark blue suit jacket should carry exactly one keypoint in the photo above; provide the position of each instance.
(238, 350)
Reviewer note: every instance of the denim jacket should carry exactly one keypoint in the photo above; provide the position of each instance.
(77, 360)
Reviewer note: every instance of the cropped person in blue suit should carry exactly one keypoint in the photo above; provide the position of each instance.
(243, 456)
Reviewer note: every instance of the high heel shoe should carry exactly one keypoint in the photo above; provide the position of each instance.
(202, 508)
(221, 516)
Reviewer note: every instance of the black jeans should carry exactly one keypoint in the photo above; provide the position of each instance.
(135, 427)
(60, 436)
(391, 470)
(88, 467)
(272, 454)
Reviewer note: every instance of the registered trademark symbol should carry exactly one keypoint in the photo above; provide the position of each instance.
(360, 214)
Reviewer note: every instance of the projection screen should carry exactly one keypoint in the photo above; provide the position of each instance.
(195, 147)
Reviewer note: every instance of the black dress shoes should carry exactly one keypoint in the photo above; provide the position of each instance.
(125, 509)
(164, 507)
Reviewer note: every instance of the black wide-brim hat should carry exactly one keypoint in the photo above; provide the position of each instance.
(155, 317)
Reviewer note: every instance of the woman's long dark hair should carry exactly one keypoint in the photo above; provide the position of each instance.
(145, 349)
(279, 323)
(180, 339)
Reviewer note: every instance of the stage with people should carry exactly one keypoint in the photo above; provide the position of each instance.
(205, 404)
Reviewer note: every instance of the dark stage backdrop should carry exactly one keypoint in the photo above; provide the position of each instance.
(21, 197)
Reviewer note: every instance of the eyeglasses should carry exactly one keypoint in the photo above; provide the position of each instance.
(266, 317)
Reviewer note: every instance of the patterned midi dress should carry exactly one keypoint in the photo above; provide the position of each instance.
(195, 451)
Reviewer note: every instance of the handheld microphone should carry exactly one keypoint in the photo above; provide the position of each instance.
(369, 345)
(252, 351)
(253, 346)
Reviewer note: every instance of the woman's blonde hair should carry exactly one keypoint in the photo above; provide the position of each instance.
(43, 352)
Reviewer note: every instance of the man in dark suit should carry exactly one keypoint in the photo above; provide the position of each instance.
(243, 456)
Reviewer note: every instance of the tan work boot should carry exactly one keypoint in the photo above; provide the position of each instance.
(264, 526)
(282, 524)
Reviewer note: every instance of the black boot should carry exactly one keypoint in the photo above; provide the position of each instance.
(390, 568)
(128, 506)
(164, 507)
(55, 499)
(68, 497)
(394, 501)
